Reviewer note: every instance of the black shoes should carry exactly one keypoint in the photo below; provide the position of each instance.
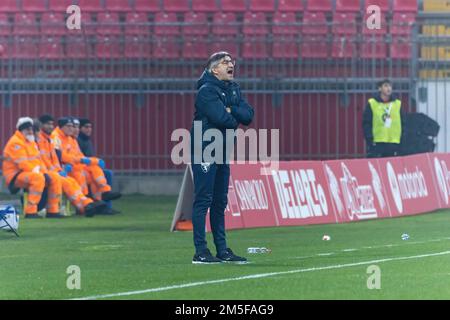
(205, 258)
(229, 256)
(32, 216)
(108, 196)
(55, 215)
(94, 208)
(108, 212)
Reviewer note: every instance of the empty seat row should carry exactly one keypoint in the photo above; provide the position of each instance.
(197, 24)
(205, 5)
(167, 47)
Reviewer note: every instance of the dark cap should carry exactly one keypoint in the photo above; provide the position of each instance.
(84, 121)
(63, 121)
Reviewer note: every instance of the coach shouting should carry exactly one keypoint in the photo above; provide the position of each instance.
(218, 105)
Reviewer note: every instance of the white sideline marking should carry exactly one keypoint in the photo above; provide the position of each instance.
(349, 250)
(260, 275)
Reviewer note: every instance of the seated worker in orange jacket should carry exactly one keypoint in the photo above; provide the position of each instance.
(71, 188)
(23, 168)
(86, 171)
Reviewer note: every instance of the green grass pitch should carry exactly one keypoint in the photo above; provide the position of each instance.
(134, 256)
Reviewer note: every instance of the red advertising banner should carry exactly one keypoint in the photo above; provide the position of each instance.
(409, 184)
(356, 189)
(440, 167)
(315, 192)
(249, 199)
(300, 194)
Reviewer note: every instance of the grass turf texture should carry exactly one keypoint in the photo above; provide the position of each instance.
(134, 251)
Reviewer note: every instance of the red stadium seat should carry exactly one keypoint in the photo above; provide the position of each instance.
(5, 26)
(225, 43)
(285, 46)
(402, 23)
(404, 6)
(51, 48)
(262, 5)
(166, 47)
(234, 5)
(25, 24)
(108, 23)
(34, 5)
(204, 6)
(344, 23)
(314, 47)
(348, 6)
(147, 5)
(318, 5)
(255, 23)
(195, 47)
(9, 6)
(118, 5)
(166, 23)
(25, 48)
(78, 47)
(225, 23)
(401, 48)
(290, 5)
(90, 5)
(137, 47)
(344, 46)
(60, 6)
(136, 23)
(383, 4)
(88, 26)
(255, 47)
(108, 47)
(285, 23)
(374, 47)
(314, 23)
(195, 24)
(176, 5)
(53, 23)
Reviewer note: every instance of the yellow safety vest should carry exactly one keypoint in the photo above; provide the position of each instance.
(386, 121)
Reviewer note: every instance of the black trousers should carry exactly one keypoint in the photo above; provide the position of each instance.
(211, 192)
(383, 150)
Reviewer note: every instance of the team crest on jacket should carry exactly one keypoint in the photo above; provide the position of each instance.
(205, 166)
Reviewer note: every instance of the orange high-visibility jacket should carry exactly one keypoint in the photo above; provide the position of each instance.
(70, 152)
(48, 154)
(21, 155)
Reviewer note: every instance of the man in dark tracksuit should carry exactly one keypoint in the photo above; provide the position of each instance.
(218, 105)
(383, 121)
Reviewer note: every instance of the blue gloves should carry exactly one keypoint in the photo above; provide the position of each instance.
(67, 168)
(86, 161)
(101, 163)
(63, 173)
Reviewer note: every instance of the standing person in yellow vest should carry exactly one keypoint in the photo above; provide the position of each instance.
(383, 121)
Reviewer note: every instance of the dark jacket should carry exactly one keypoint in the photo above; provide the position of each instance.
(86, 145)
(211, 101)
(367, 118)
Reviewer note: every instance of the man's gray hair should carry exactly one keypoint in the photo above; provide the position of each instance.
(215, 58)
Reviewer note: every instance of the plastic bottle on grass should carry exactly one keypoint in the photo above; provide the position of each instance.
(259, 250)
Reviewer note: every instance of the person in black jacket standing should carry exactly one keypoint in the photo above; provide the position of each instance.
(218, 105)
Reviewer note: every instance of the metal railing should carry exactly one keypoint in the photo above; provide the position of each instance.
(137, 91)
